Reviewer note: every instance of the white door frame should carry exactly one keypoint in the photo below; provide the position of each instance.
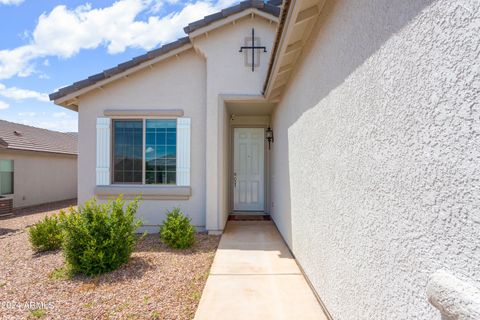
(266, 168)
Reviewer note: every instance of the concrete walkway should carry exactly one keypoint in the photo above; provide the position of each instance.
(254, 276)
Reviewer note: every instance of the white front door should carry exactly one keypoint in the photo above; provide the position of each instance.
(248, 169)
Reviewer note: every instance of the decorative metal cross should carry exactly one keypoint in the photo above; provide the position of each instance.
(253, 48)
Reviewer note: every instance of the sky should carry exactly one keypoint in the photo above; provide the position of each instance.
(49, 44)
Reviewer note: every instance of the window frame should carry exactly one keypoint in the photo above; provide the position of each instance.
(13, 178)
(144, 142)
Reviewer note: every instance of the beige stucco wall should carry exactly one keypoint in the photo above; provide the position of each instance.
(194, 82)
(376, 157)
(176, 83)
(41, 177)
(228, 77)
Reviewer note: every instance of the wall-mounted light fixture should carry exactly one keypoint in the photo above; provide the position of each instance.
(269, 136)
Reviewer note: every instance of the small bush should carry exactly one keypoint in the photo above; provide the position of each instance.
(47, 235)
(100, 237)
(177, 231)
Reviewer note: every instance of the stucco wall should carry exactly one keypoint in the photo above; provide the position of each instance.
(227, 75)
(194, 81)
(42, 177)
(376, 157)
(176, 83)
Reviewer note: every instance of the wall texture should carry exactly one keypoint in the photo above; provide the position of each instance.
(41, 177)
(176, 83)
(228, 75)
(376, 160)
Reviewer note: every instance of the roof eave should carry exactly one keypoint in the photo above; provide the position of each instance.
(300, 15)
(41, 151)
(70, 100)
(267, 8)
(231, 19)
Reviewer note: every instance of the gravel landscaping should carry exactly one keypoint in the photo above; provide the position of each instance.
(157, 283)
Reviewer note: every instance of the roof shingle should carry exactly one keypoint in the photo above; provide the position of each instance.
(271, 7)
(21, 137)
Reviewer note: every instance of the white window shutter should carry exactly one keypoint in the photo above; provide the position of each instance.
(183, 151)
(103, 151)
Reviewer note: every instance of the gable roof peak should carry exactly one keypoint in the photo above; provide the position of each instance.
(272, 7)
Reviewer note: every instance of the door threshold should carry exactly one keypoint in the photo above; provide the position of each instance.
(248, 217)
(250, 213)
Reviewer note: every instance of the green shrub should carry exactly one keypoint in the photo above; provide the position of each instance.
(177, 231)
(46, 235)
(99, 238)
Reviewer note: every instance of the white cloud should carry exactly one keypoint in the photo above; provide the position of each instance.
(27, 114)
(64, 32)
(60, 115)
(4, 105)
(10, 2)
(64, 125)
(22, 94)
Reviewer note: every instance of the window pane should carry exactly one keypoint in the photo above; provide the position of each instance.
(150, 177)
(6, 177)
(6, 165)
(150, 138)
(171, 177)
(171, 138)
(6, 182)
(160, 177)
(128, 144)
(171, 152)
(171, 165)
(160, 146)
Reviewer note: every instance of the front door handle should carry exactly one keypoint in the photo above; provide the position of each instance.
(235, 179)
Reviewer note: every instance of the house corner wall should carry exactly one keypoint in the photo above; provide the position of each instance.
(376, 157)
(42, 177)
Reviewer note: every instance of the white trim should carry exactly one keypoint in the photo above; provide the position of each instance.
(183, 151)
(103, 151)
(143, 113)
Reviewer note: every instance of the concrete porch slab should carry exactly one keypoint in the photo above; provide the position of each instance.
(254, 276)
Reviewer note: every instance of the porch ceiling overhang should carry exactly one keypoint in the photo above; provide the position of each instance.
(295, 27)
(250, 108)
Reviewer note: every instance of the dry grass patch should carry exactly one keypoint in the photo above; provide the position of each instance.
(157, 282)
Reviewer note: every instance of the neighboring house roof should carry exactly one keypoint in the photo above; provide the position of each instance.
(271, 7)
(21, 137)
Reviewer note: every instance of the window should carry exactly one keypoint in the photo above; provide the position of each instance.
(128, 145)
(161, 152)
(6, 177)
(154, 164)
